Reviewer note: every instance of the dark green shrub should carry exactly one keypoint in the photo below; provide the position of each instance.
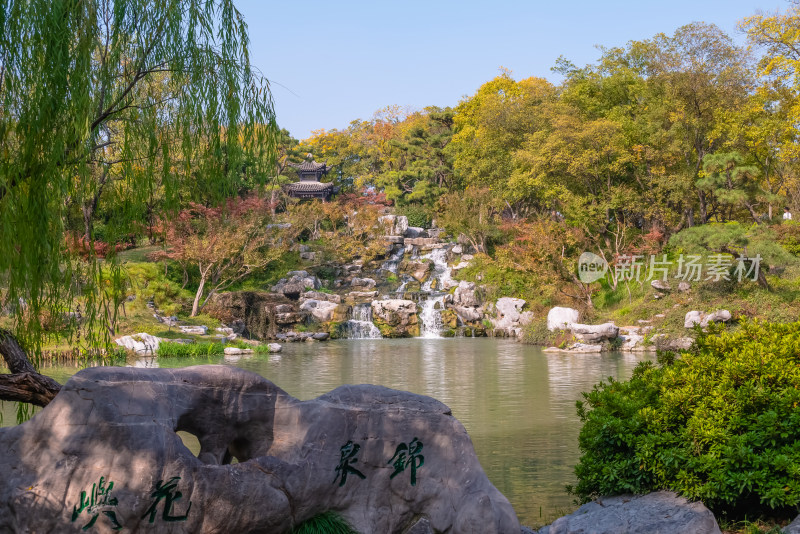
(417, 215)
(719, 424)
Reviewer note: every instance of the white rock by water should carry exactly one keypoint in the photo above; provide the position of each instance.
(559, 318)
(141, 343)
(594, 332)
(237, 350)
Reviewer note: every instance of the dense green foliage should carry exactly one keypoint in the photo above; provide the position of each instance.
(652, 141)
(719, 424)
(115, 110)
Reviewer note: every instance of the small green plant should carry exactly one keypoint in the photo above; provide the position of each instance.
(325, 523)
(648, 338)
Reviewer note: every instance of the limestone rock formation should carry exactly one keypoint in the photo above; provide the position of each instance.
(695, 317)
(396, 317)
(141, 343)
(419, 270)
(509, 316)
(296, 283)
(105, 454)
(395, 225)
(464, 295)
(253, 313)
(321, 310)
(593, 333)
(559, 318)
(660, 512)
(692, 318)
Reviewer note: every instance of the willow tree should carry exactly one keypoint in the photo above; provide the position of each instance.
(138, 91)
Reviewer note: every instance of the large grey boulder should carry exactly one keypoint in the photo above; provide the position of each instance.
(692, 318)
(719, 316)
(661, 512)
(321, 310)
(695, 317)
(793, 527)
(468, 314)
(104, 454)
(676, 344)
(559, 318)
(632, 343)
(593, 333)
(419, 270)
(464, 295)
(396, 317)
(296, 283)
(509, 316)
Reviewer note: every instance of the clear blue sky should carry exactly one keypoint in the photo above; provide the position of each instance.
(335, 61)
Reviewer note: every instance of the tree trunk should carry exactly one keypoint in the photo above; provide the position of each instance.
(197, 296)
(88, 215)
(24, 384)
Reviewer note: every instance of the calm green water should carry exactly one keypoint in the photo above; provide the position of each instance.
(517, 403)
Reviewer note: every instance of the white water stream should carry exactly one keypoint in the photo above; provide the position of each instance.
(360, 325)
(431, 299)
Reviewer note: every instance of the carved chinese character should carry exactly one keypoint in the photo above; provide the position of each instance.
(408, 456)
(169, 495)
(348, 451)
(95, 502)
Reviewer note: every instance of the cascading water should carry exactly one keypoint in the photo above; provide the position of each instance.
(393, 262)
(431, 316)
(360, 325)
(441, 274)
(405, 280)
(432, 297)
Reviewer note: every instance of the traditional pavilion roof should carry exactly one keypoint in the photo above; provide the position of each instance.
(309, 186)
(310, 166)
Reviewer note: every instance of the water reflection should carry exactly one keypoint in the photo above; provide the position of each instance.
(517, 403)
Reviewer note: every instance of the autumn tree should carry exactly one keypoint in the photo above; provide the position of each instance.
(473, 213)
(224, 244)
